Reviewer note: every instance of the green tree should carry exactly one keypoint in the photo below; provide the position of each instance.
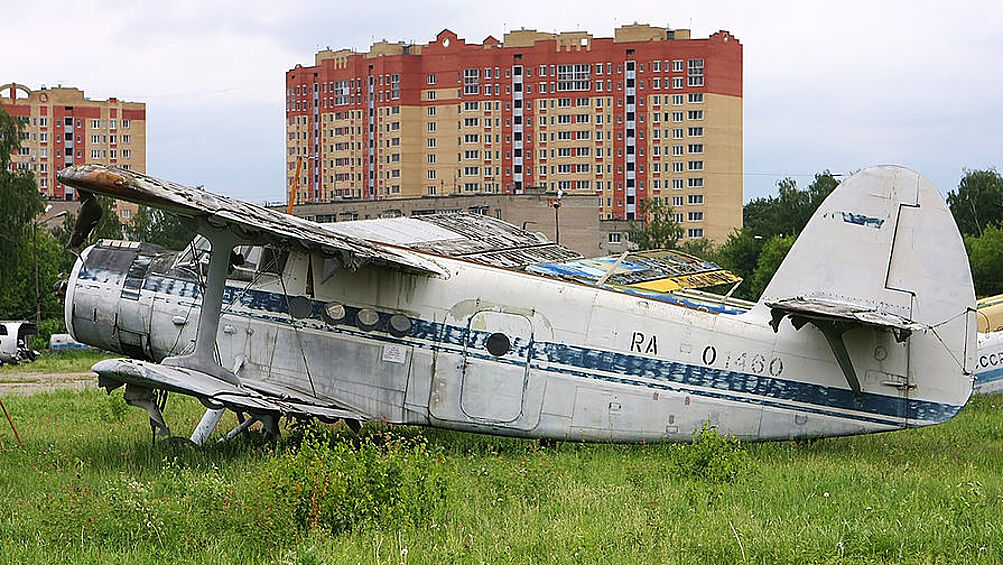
(978, 201)
(781, 216)
(789, 211)
(658, 229)
(20, 203)
(985, 256)
(773, 253)
(161, 228)
(702, 248)
(740, 255)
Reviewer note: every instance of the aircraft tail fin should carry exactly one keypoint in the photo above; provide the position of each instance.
(883, 251)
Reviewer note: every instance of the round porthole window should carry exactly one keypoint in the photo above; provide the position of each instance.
(399, 325)
(367, 319)
(334, 313)
(498, 344)
(299, 306)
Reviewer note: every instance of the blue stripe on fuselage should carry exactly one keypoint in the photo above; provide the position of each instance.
(592, 363)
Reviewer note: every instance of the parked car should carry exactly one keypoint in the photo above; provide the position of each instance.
(15, 340)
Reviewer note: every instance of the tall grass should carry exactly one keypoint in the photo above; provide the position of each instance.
(89, 487)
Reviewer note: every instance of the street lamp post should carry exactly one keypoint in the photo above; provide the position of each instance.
(557, 220)
(556, 203)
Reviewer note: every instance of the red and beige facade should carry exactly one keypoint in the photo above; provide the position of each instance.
(649, 114)
(62, 127)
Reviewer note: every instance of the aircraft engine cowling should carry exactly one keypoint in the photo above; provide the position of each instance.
(105, 306)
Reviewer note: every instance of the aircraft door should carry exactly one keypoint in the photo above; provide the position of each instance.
(495, 371)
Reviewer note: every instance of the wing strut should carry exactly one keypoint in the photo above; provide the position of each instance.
(203, 358)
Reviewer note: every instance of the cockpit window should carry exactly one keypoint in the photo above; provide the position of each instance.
(247, 262)
(197, 253)
(251, 261)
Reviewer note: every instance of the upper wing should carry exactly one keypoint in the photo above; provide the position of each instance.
(250, 220)
(475, 237)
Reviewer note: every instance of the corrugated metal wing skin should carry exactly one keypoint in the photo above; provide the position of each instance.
(474, 237)
(251, 220)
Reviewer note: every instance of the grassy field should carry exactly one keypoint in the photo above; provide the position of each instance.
(89, 487)
(59, 362)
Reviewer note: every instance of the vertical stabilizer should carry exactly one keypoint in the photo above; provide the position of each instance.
(883, 251)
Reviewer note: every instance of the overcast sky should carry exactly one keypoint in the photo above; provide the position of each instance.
(828, 85)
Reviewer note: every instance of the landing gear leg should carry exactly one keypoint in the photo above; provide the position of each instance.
(147, 399)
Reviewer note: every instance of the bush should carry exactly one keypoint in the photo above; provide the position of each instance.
(339, 483)
(45, 330)
(712, 457)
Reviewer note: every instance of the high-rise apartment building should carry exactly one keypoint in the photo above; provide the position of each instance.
(62, 127)
(647, 114)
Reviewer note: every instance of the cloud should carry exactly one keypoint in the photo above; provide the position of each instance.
(836, 85)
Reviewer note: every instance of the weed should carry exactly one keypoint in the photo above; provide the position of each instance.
(338, 484)
(114, 408)
(712, 457)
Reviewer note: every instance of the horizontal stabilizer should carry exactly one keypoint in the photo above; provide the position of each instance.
(216, 393)
(803, 309)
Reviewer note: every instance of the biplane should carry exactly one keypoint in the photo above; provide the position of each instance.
(468, 323)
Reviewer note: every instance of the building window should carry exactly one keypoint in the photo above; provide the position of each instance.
(677, 83)
(695, 98)
(695, 115)
(677, 184)
(693, 199)
(573, 77)
(694, 232)
(696, 148)
(471, 81)
(677, 65)
(695, 132)
(430, 80)
(694, 216)
(615, 237)
(677, 200)
(696, 182)
(694, 165)
(695, 72)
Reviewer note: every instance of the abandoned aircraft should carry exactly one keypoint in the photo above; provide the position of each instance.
(867, 326)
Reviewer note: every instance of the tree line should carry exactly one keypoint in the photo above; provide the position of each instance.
(772, 223)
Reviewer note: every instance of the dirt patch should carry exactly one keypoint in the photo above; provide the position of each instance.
(25, 384)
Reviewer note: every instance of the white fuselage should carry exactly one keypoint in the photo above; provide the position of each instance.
(989, 364)
(582, 362)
